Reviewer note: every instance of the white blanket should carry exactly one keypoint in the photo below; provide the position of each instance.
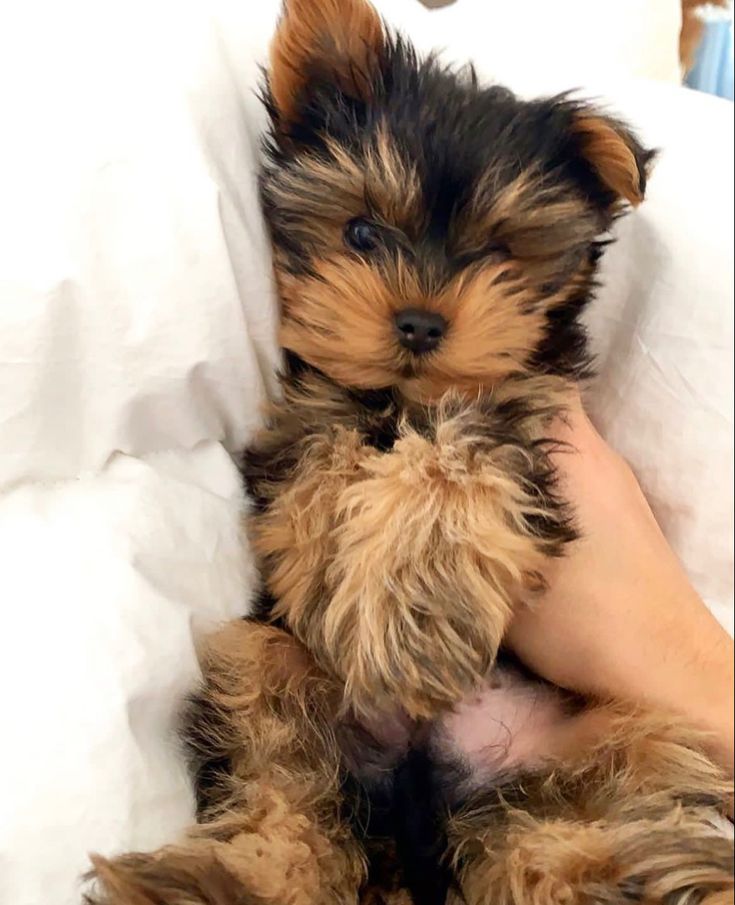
(136, 345)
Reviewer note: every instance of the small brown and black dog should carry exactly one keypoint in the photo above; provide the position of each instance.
(359, 739)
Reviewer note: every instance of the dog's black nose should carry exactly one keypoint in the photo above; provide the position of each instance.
(420, 331)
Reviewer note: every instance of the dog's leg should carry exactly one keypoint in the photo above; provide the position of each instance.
(401, 568)
(396, 554)
(274, 831)
(433, 548)
(657, 859)
(631, 821)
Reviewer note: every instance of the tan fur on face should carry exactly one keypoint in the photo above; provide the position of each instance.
(496, 311)
(319, 193)
(496, 321)
(536, 219)
(392, 187)
(343, 37)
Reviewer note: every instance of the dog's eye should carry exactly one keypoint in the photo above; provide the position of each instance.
(362, 235)
(496, 253)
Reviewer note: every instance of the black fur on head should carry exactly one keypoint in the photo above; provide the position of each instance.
(394, 183)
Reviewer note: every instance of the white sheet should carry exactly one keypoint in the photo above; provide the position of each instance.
(663, 330)
(105, 578)
(136, 341)
(571, 42)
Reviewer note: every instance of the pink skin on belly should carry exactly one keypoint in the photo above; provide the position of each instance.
(510, 723)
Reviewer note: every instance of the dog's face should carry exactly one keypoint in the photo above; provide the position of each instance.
(429, 233)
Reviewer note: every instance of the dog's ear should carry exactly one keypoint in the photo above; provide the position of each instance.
(335, 41)
(614, 154)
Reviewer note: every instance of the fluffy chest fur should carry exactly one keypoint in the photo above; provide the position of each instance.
(394, 538)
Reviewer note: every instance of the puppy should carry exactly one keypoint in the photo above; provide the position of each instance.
(362, 738)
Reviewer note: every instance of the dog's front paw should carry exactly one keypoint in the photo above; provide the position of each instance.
(432, 549)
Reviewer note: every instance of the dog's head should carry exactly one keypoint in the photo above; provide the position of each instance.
(429, 233)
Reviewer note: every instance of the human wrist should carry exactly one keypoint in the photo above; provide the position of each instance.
(694, 678)
(715, 703)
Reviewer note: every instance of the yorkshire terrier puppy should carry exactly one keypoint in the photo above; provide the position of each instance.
(359, 739)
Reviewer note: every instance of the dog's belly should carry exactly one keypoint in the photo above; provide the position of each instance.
(509, 725)
(411, 775)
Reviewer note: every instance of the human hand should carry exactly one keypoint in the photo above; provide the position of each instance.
(620, 617)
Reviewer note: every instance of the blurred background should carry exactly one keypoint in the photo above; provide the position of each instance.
(701, 33)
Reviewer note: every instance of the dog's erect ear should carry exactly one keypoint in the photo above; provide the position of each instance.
(618, 159)
(336, 40)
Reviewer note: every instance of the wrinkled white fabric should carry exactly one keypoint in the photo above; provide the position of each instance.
(136, 346)
(570, 41)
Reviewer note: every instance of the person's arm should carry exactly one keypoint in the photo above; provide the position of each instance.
(620, 617)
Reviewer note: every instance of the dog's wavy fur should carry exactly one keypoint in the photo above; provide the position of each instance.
(404, 505)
